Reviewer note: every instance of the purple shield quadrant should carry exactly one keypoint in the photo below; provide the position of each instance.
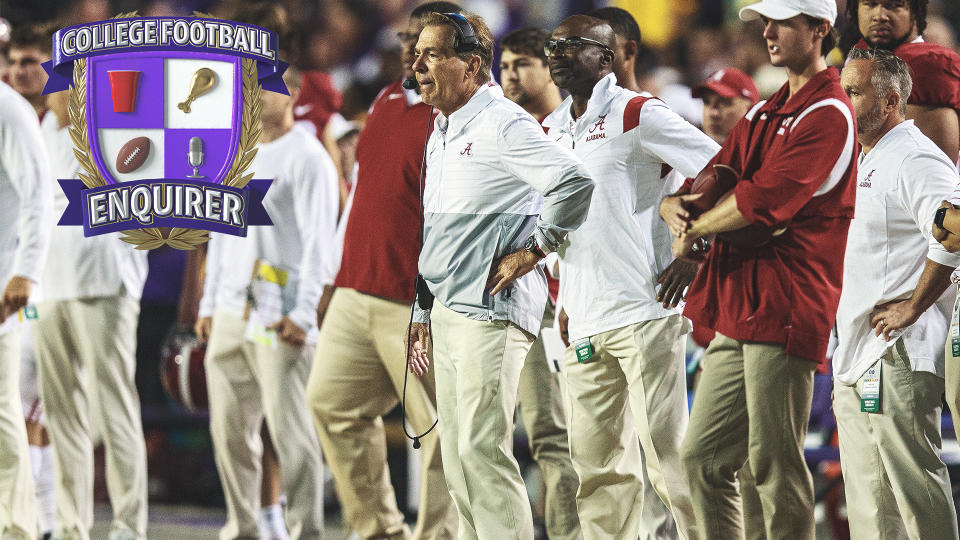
(148, 108)
(216, 144)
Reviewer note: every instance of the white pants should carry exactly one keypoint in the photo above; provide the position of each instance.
(87, 355)
(478, 367)
(247, 382)
(18, 511)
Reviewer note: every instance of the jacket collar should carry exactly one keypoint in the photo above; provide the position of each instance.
(779, 104)
(458, 120)
(603, 93)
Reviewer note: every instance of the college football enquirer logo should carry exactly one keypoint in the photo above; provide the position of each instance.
(165, 116)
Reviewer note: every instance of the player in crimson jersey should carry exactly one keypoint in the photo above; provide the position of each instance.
(772, 306)
(934, 102)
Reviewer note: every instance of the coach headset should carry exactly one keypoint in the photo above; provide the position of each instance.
(465, 40)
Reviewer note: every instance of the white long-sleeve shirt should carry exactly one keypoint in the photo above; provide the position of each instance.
(302, 202)
(900, 185)
(82, 267)
(628, 142)
(24, 193)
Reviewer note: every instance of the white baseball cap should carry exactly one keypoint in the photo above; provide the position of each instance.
(779, 10)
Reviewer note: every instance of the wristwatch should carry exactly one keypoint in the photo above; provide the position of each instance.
(940, 216)
(532, 246)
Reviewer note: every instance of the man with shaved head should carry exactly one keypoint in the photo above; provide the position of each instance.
(624, 373)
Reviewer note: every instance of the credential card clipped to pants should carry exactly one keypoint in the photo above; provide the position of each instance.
(870, 395)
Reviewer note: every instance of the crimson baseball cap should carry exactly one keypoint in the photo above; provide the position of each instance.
(729, 82)
(779, 10)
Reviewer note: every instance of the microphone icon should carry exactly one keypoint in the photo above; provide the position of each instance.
(195, 155)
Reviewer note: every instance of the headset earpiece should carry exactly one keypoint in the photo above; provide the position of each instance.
(466, 39)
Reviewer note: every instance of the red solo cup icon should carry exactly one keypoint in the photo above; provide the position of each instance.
(123, 88)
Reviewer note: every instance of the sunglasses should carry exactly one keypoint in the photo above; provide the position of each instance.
(574, 43)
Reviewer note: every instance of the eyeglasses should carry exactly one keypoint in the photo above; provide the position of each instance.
(574, 43)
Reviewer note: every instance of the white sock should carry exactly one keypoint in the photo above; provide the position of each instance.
(46, 492)
(272, 519)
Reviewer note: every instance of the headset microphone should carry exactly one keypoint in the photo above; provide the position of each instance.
(410, 83)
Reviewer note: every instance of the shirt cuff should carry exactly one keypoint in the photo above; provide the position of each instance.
(543, 242)
(205, 309)
(303, 318)
(421, 315)
(945, 258)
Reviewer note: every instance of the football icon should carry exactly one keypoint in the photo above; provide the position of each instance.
(133, 154)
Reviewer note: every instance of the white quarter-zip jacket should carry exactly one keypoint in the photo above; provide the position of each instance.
(631, 144)
(487, 166)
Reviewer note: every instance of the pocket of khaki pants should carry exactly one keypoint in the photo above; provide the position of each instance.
(900, 357)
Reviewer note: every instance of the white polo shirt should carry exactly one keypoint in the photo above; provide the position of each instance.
(24, 193)
(900, 184)
(83, 267)
(629, 142)
(303, 202)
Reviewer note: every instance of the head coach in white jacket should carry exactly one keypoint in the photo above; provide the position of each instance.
(486, 161)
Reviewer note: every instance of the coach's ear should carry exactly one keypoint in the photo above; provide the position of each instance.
(893, 101)
(631, 49)
(606, 60)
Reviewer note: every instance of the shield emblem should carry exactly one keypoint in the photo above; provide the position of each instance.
(164, 131)
(153, 115)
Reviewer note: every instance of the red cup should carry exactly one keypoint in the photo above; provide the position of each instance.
(123, 88)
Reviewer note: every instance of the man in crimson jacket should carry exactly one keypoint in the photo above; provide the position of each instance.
(772, 306)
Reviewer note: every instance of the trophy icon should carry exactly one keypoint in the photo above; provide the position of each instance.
(195, 156)
(203, 81)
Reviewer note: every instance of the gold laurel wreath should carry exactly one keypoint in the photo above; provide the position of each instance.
(177, 237)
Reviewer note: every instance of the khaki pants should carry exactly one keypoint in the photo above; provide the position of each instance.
(541, 408)
(952, 382)
(752, 400)
(750, 500)
(86, 351)
(18, 509)
(247, 382)
(477, 366)
(634, 387)
(895, 482)
(656, 521)
(357, 377)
